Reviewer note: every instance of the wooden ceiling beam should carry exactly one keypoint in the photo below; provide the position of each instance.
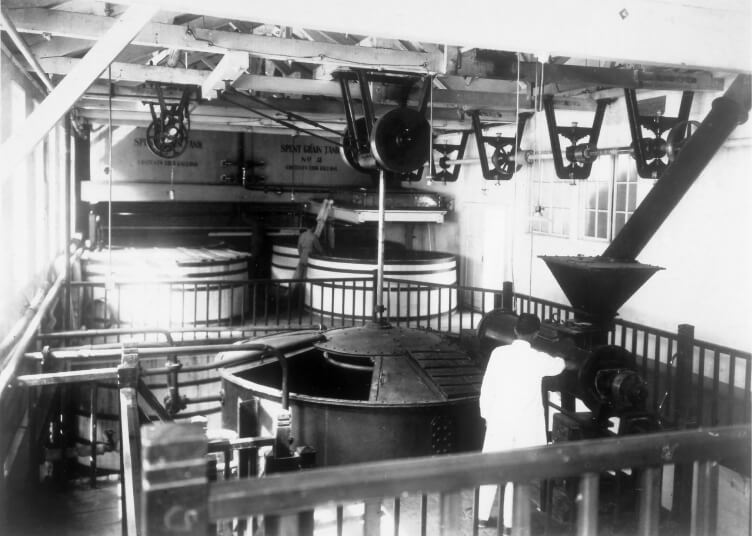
(93, 27)
(493, 99)
(493, 64)
(229, 68)
(65, 94)
(705, 35)
(233, 122)
(131, 72)
(60, 46)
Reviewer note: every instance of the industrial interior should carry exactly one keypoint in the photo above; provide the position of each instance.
(174, 360)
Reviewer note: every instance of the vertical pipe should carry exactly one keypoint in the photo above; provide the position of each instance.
(378, 314)
(587, 510)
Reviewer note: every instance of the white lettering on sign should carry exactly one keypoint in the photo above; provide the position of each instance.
(193, 144)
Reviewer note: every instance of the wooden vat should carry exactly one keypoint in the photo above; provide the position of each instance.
(355, 299)
(137, 294)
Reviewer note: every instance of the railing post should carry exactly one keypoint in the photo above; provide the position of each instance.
(682, 501)
(175, 486)
(450, 521)
(507, 296)
(587, 508)
(684, 358)
(521, 512)
(372, 517)
(375, 301)
(705, 499)
(128, 376)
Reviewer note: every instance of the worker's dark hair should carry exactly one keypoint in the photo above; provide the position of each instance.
(527, 323)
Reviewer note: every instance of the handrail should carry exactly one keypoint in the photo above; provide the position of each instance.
(304, 490)
(40, 310)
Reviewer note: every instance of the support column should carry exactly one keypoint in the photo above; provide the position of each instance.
(683, 401)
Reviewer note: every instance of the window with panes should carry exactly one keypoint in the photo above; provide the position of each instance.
(609, 196)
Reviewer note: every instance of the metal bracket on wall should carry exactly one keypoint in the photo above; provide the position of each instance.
(579, 163)
(446, 160)
(505, 149)
(649, 152)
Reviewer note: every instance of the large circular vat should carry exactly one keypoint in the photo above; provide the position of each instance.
(136, 299)
(403, 298)
(366, 393)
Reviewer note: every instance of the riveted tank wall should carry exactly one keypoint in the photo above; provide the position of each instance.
(332, 413)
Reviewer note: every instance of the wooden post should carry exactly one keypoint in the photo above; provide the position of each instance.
(175, 486)
(507, 296)
(682, 501)
(684, 358)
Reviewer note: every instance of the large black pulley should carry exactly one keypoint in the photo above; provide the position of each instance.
(609, 383)
(400, 141)
(167, 134)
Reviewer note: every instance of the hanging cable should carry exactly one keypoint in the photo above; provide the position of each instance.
(538, 109)
(109, 173)
(429, 177)
(514, 192)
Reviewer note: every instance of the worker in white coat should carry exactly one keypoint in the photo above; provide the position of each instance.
(510, 403)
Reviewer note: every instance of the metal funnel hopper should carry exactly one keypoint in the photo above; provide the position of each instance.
(598, 286)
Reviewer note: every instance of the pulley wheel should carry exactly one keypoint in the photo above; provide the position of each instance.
(504, 166)
(167, 136)
(605, 357)
(678, 136)
(400, 140)
(350, 149)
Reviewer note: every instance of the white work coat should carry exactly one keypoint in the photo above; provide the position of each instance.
(510, 396)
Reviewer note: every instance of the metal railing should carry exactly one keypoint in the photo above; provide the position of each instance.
(384, 489)
(720, 379)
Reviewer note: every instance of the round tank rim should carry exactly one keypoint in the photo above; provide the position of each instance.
(276, 395)
(434, 259)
